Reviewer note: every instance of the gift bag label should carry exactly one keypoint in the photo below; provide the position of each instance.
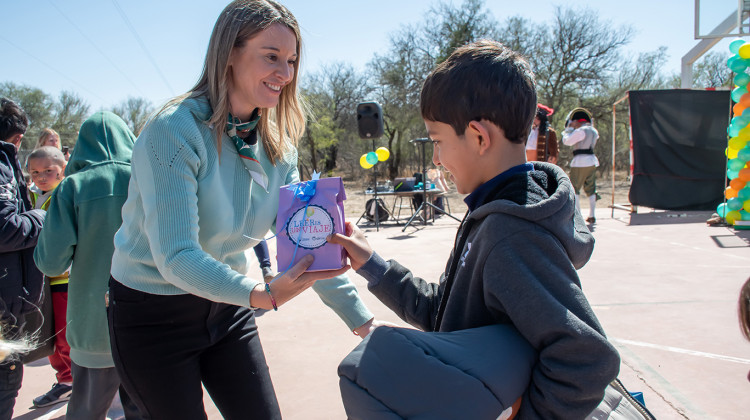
(310, 226)
(308, 213)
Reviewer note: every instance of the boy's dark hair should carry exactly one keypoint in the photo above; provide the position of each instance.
(13, 119)
(482, 80)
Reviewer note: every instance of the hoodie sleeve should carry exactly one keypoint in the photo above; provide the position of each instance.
(57, 242)
(413, 299)
(541, 294)
(18, 230)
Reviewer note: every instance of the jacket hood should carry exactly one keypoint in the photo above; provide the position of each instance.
(546, 198)
(104, 137)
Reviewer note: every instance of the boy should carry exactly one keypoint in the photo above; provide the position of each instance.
(46, 165)
(517, 250)
(20, 225)
(83, 216)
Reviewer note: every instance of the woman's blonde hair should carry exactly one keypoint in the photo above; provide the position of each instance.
(47, 133)
(240, 21)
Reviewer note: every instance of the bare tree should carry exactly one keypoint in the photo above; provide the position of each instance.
(135, 112)
(711, 71)
(578, 53)
(71, 111)
(333, 94)
(449, 27)
(38, 105)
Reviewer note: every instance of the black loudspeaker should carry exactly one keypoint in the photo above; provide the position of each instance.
(369, 120)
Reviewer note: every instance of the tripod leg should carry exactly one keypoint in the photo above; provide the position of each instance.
(438, 209)
(413, 216)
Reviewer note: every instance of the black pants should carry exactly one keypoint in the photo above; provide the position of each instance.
(164, 347)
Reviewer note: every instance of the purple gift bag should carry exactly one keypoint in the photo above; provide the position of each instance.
(308, 212)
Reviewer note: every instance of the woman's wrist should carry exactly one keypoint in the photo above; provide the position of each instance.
(259, 298)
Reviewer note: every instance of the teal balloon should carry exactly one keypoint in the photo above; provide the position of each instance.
(744, 153)
(738, 92)
(736, 164)
(732, 174)
(372, 158)
(741, 79)
(738, 66)
(744, 215)
(733, 130)
(738, 121)
(734, 203)
(734, 46)
(744, 194)
(722, 210)
(732, 59)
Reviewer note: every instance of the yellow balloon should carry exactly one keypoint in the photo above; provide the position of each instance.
(731, 153)
(364, 163)
(383, 154)
(733, 216)
(744, 51)
(746, 205)
(736, 143)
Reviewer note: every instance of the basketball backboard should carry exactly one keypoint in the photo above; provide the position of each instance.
(722, 18)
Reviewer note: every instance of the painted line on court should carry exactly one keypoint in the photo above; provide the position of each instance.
(682, 351)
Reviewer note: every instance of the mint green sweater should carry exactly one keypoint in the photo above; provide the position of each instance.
(191, 215)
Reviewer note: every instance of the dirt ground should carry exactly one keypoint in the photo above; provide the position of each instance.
(355, 203)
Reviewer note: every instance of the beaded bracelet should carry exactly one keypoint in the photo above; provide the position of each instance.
(273, 301)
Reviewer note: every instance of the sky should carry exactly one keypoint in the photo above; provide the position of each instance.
(109, 50)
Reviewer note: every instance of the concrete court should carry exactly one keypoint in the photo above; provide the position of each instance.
(663, 284)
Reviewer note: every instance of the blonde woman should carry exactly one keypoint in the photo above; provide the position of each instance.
(206, 173)
(49, 137)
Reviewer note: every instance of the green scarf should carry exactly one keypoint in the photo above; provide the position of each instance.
(235, 126)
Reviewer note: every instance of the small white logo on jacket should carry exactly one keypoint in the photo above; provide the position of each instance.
(466, 254)
(8, 191)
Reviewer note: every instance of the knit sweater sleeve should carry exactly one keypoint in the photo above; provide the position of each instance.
(168, 161)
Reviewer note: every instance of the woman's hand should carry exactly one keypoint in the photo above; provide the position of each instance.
(355, 243)
(289, 284)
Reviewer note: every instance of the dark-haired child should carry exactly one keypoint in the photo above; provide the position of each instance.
(515, 257)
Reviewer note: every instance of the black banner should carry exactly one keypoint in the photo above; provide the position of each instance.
(679, 138)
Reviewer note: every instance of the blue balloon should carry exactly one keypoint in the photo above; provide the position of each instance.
(372, 158)
(732, 174)
(722, 210)
(744, 194)
(744, 153)
(734, 204)
(736, 164)
(734, 46)
(742, 79)
(738, 92)
(738, 66)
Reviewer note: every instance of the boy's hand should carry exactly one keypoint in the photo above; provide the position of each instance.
(369, 326)
(355, 243)
(289, 284)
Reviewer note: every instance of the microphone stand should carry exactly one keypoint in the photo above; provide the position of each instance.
(423, 206)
